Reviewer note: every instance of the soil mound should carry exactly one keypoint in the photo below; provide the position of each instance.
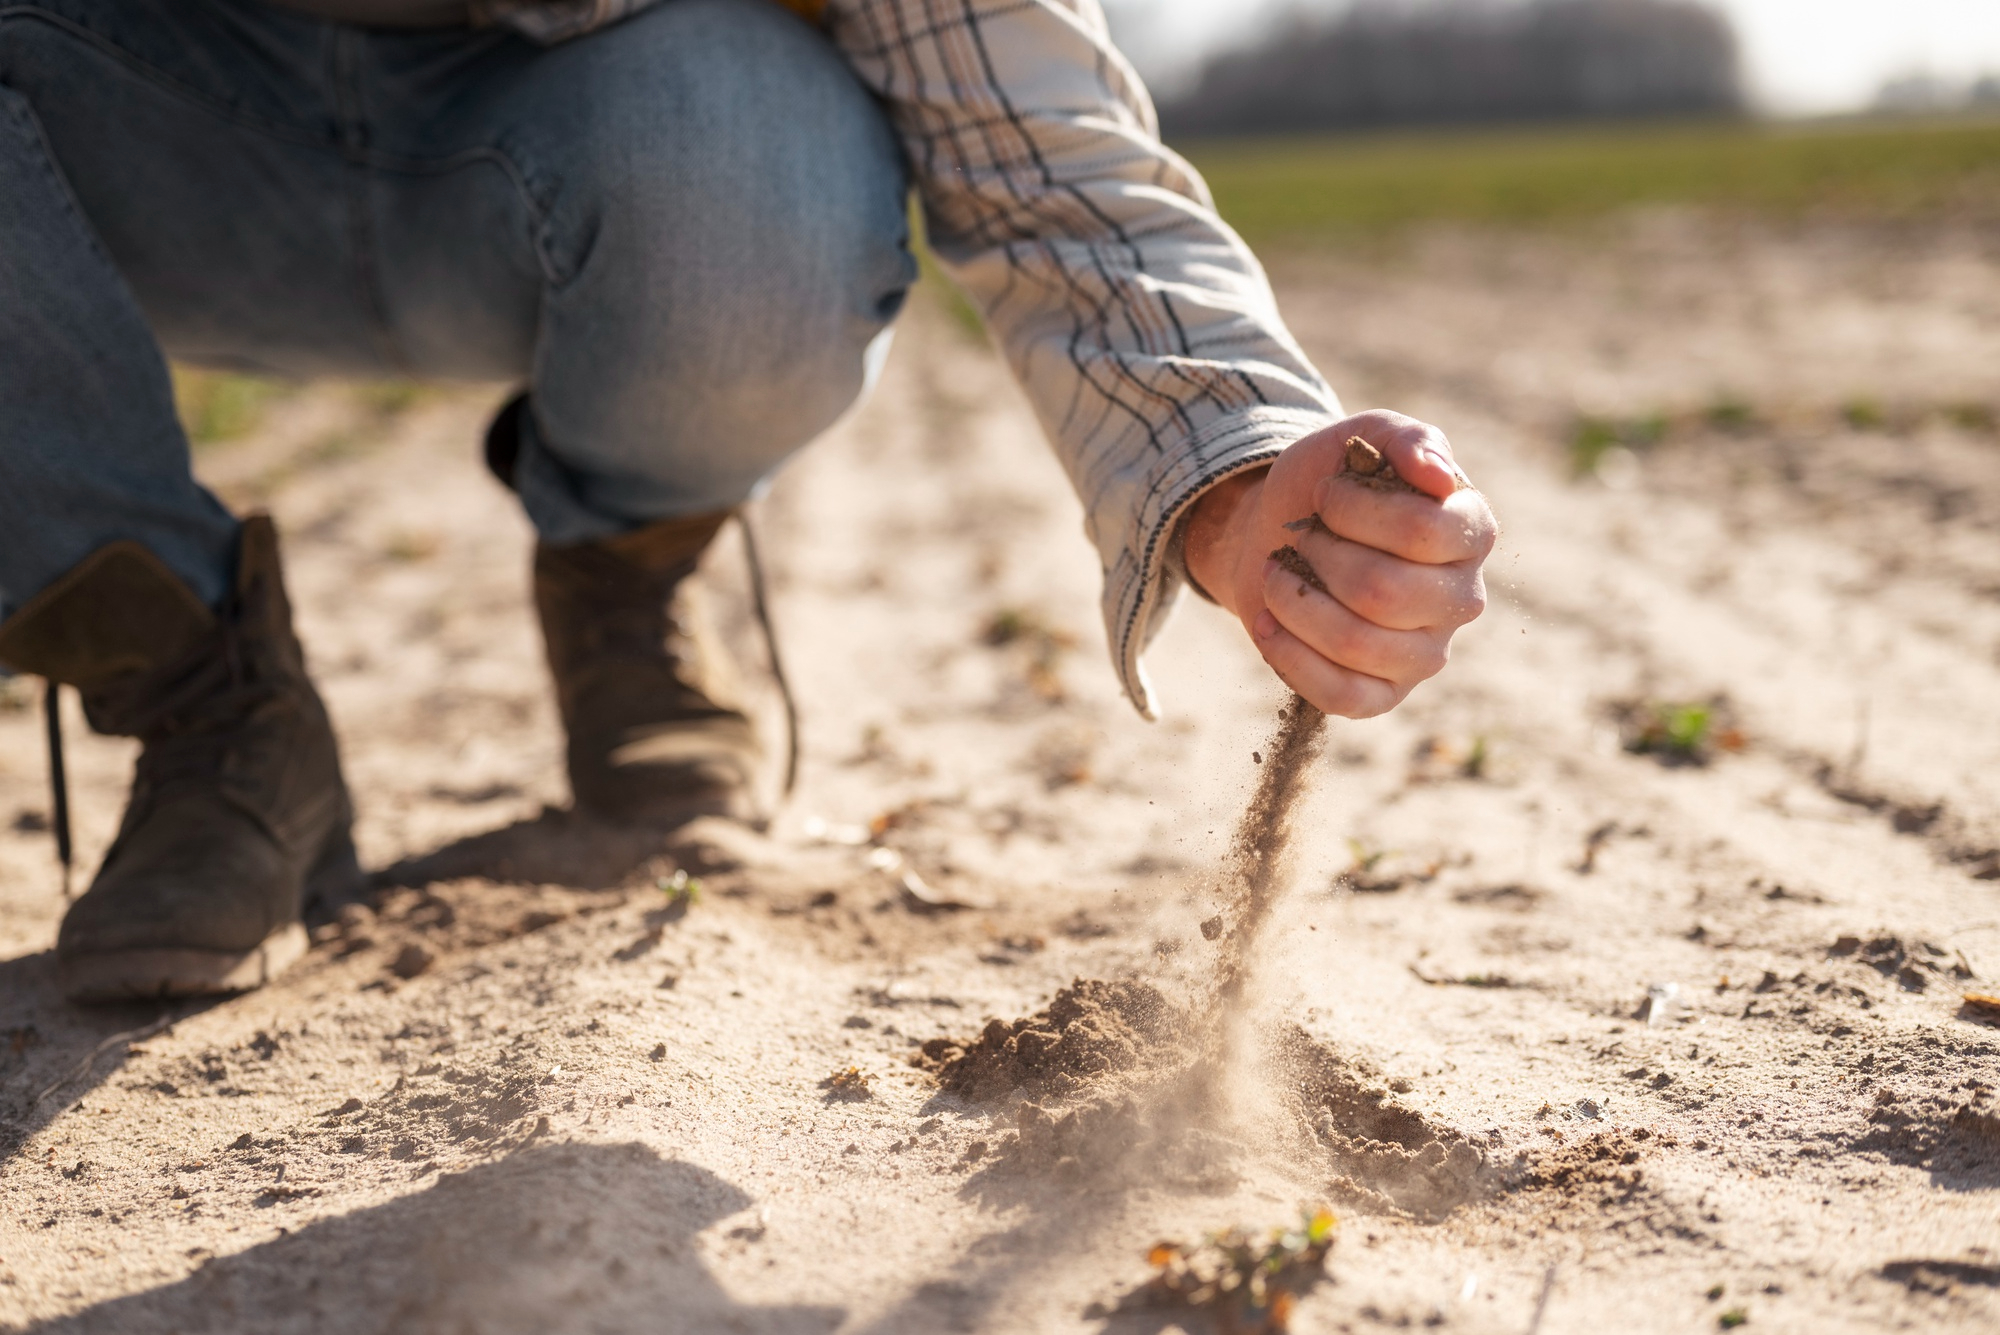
(1093, 1028)
(1383, 1153)
(1604, 1165)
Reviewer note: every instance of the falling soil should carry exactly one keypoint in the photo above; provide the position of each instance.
(1113, 1073)
(1139, 1073)
(1256, 860)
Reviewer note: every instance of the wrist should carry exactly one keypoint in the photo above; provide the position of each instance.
(1212, 536)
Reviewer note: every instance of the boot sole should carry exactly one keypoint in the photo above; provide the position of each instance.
(151, 975)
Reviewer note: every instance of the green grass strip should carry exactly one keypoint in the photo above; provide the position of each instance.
(1306, 188)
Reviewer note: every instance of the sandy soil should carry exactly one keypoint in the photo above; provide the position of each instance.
(530, 1093)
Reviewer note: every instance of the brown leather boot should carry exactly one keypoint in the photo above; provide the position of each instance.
(651, 702)
(238, 814)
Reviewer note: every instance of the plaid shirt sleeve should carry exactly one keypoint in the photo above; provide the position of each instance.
(1141, 327)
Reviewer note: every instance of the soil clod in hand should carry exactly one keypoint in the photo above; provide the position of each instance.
(1367, 465)
(1364, 458)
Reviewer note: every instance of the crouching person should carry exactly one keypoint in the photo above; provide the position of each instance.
(680, 227)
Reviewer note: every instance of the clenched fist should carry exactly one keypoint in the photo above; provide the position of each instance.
(1401, 567)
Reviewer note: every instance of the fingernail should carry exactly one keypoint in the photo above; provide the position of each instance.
(1265, 626)
(1270, 567)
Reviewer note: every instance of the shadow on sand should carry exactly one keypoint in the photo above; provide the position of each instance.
(53, 1054)
(594, 1238)
(556, 847)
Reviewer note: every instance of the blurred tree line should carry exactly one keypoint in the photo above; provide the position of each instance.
(1394, 62)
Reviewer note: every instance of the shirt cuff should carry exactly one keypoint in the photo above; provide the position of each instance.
(1140, 590)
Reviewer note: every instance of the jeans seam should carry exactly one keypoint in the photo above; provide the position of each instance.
(24, 114)
(538, 216)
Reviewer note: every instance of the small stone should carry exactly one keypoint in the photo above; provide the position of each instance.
(411, 960)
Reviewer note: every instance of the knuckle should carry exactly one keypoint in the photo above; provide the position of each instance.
(1472, 603)
(1370, 592)
(1370, 703)
(1421, 536)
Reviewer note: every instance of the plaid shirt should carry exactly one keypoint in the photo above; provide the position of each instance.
(1141, 327)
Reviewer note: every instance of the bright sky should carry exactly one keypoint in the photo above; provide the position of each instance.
(1804, 56)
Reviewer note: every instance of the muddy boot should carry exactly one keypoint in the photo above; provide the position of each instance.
(238, 814)
(650, 700)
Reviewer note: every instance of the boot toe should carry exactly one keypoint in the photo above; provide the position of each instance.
(669, 774)
(202, 904)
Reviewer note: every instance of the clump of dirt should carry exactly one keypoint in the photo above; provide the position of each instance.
(1912, 964)
(1364, 464)
(850, 1084)
(440, 1105)
(1092, 1028)
(1602, 1164)
(1946, 1131)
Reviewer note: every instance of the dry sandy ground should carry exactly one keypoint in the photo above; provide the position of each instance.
(591, 1111)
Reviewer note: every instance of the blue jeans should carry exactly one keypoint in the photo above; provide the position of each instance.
(686, 234)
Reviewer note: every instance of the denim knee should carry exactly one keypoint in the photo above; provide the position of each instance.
(726, 235)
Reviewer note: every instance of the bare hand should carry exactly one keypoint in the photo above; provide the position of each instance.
(1401, 569)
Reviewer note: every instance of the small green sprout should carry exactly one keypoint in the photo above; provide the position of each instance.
(217, 406)
(1864, 414)
(1714, 1293)
(1251, 1284)
(1734, 1317)
(1683, 728)
(682, 890)
(1729, 413)
(1007, 625)
(389, 398)
(1972, 417)
(1043, 644)
(1680, 732)
(1593, 439)
(1365, 858)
